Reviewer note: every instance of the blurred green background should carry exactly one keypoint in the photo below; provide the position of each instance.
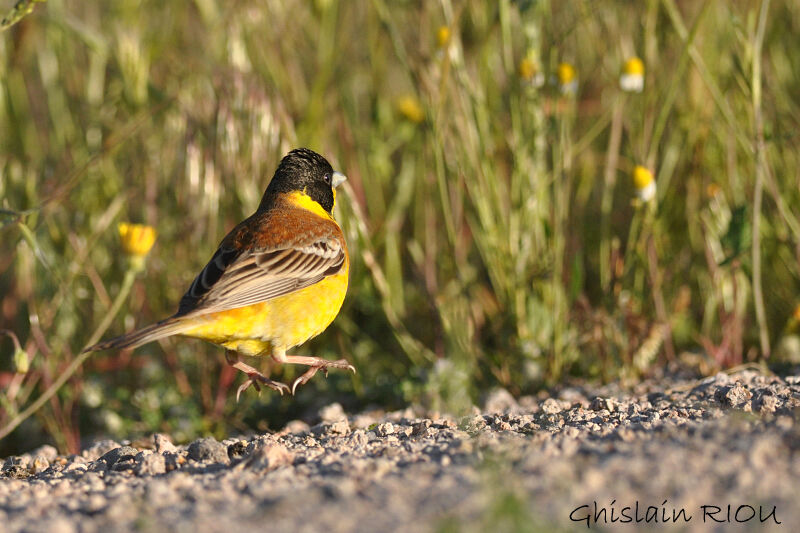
(494, 227)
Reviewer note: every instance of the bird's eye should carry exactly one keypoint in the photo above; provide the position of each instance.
(327, 179)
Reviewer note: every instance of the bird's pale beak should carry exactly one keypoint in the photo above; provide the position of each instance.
(337, 179)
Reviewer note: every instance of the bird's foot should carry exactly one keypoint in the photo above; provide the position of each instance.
(315, 364)
(256, 379)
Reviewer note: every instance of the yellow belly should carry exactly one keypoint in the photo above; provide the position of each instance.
(281, 324)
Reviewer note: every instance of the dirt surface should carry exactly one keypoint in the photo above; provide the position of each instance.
(580, 459)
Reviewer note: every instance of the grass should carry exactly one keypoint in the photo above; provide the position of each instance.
(492, 222)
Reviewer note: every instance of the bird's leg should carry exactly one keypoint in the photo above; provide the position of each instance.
(255, 377)
(314, 364)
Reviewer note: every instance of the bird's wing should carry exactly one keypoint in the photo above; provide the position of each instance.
(233, 279)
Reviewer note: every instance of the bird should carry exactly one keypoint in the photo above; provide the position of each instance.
(276, 280)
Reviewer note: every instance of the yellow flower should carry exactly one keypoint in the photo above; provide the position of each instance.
(644, 183)
(410, 108)
(137, 239)
(632, 78)
(529, 70)
(443, 36)
(567, 79)
(796, 313)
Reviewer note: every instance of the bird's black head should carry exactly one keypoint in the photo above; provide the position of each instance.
(304, 170)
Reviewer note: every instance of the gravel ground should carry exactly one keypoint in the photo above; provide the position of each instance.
(575, 460)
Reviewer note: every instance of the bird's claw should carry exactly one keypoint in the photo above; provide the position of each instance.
(344, 365)
(254, 380)
(308, 374)
(243, 387)
(302, 380)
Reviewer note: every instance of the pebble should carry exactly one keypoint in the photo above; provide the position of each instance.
(208, 450)
(332, 413)
(121, 454)
(297, 427)
(340, 427)
(359, 438)
(237, 449)
(736, 395)
(384, 429)
(162, 444)
(150, 465)
(499, 401)
(598, 404)
(99, 449)
(268, 457)
(48, 452)
(551, 406)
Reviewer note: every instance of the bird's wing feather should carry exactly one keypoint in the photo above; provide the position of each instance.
(236, 279)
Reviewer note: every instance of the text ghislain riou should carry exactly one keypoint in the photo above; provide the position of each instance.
(664, 514)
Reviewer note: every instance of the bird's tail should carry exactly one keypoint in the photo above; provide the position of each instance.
(153, 332)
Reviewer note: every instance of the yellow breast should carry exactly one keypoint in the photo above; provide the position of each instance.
(282, 323)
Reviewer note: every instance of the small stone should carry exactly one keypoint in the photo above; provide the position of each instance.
(767, 404)
(46, 451)
(385, 428)
(268, 457)
(151, 464)
(258, 441)
(501, 425)
(499, 401)
(297, 427)
(359, 438)
(237, 449)
(173, 461)
(75, 467)
(332, 413)
(39, 464)
(473, 423)
(599, 404)
(420, 429)
(98, 449)
(208, 450)
(122, 454)
(340, 427)
(735, 395)
(551, 406)
(162, 444)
